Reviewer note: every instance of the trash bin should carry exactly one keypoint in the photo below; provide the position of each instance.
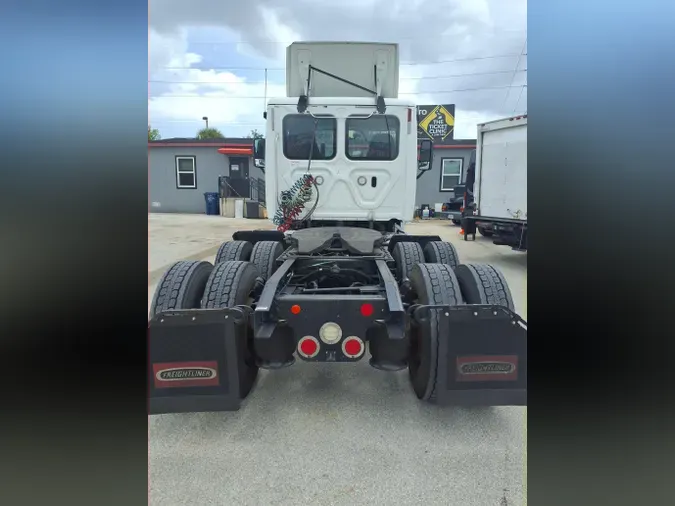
(212, 203)
(252, 209)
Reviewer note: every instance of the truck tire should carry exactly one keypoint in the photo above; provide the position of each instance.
(233, 251)
(484, 284)
(230, 284)
(485, 232)
(264, 256)
(455, 222)
(432, 284)
(181, 286)
(407, 255)
(440, 252)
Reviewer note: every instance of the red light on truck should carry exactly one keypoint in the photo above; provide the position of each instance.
(367, 309)
(409, 115)
(353, 347)
(308, 347)
(295, 309)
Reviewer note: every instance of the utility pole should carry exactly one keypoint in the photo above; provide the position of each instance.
(265, 98)
(205, 118)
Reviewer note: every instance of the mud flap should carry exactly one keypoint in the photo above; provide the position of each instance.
(482, 355)
(193, 360)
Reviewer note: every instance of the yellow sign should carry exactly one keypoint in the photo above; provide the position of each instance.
(439, 123)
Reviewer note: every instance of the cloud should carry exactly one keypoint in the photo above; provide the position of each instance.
(169, 51)
(447, 51)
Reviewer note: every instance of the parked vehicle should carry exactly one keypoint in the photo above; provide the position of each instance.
(455, 204)
(339, 279)
(496, 199)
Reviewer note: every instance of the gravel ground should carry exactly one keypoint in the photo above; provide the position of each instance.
(335, 433)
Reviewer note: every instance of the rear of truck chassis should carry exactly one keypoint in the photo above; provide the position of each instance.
(334, 294)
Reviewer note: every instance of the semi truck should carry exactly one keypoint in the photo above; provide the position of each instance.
(496, 198)
(339, 280)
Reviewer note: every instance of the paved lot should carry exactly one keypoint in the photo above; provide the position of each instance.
(334, 434)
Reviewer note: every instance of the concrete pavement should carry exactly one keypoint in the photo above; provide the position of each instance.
(335, 433)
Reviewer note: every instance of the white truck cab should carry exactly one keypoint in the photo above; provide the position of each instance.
(343, 124)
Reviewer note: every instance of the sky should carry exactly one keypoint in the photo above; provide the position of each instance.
(208, 57)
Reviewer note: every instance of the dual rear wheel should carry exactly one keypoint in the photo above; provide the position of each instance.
(230, 283)
(195, 284)
(408, 254)
(434, 274)
(436, 277)
(263, 254)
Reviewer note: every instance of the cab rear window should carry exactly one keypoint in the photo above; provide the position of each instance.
(299, 130)
(372, 138)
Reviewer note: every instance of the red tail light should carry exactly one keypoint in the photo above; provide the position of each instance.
(367, 309)
(353, 347)
(409, 115)
(308, 347)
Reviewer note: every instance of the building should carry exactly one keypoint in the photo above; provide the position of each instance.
(451, 156)
(182, 170)
(451, 159)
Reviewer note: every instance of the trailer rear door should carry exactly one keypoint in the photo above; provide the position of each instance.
(502, 169)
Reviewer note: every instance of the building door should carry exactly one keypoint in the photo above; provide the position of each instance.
(239, 178)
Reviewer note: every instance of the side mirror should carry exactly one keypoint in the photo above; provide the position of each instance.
(259, 149)
(425, 154)
(259, 153)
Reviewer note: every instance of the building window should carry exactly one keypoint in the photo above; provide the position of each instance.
(451, 173)
(186, 172)
(372, 138)
(300, 129)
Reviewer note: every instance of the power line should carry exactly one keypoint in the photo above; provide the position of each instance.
(427, 92)
(280, 69)
(515, 70)
(468, 74)
(465, 59)
(519, 97)
(270, 41)
(261, 69)
(202, 121)
(160, 81)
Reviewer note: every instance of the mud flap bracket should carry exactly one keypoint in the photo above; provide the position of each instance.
(193, 360)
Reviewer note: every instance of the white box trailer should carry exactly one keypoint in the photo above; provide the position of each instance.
(500, 181)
